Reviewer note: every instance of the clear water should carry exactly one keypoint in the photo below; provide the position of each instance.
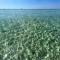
(47, 12)
(30, 34)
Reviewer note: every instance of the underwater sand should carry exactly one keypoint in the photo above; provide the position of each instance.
(29, 34)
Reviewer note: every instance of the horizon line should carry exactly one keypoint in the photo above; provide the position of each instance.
(29, 9)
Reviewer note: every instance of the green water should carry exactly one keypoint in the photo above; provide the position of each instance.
(30, 34)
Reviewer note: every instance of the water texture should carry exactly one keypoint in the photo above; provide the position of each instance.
(29, 34)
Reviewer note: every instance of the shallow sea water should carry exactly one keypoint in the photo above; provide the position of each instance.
(29, 34)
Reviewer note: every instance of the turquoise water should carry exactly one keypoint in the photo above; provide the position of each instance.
(30, 34)
(41, 12)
